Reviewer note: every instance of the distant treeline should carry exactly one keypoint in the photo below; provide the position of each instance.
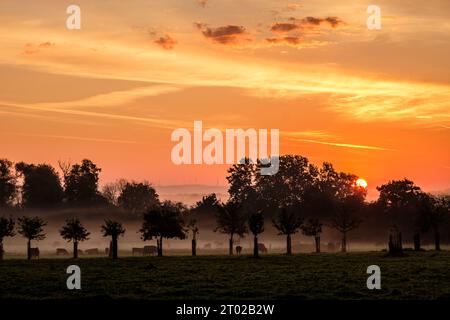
(300, 197)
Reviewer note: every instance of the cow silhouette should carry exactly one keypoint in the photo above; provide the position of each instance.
(92, 252)
(262, 248)
(238, 250)
(138, 251)
(61, 252)
(150, 250)
(34, 252)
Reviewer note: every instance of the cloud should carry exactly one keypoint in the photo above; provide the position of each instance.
(305, 23)
(343, 145)
(229, 34)
(283, 27)
(289, 40)
(202, 3)
(166, 42)
(312, 21)
(30, 48)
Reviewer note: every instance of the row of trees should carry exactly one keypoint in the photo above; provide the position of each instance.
(40, 186)
(300, 197)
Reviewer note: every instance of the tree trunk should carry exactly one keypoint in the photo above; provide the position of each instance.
(417, 241)
(110, 252)
(160, 247)
(255, 247)
(114, 247)
(194, 247)
(230, 244)
(437, 240)
(29, 250)
(317, 240)
(288, 245)
(1, 251)
(344, 242)
(75, 249)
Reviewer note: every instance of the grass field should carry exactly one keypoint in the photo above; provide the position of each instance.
(424, 275)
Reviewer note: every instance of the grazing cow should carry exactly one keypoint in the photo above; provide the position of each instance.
(138, 251)
(331, 247)
(34, 252)
(262, 248)
(92, 252)
(238, 250)
(207, 246)
(150, 250)
(61, 252)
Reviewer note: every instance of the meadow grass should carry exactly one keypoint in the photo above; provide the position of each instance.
(422, 275)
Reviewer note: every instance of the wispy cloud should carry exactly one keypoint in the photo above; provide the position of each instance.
(77, 138)
(343, 145)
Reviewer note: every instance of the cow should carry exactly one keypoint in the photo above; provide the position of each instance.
(138, 251)
(331, 247)
(207, 246)
(61, 252)
(34, 252)
(238, 250)
(262, 248)
(150, 250)
(92, 252)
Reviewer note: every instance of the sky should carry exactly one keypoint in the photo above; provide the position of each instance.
(375, 103)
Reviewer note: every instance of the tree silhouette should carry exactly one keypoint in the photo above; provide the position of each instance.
(231, 220)
(6, 230)
(207, 206)
(138, 198)
(193, 228)
(399, 199)
(163, 222)
(113, 229)
(41, 185)
(345, 218)
(436, 216)
(288, 222)
(75, 232)
(313, 228)
(81, 183)
(256, 226)
(7, 183)
(31, 228)
(287, 187)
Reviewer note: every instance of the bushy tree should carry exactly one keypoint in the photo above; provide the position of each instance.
(114, 230)
(256, 226)
(81, 183)
(41, 185)
(288, 221)
(345, 218)
(231, 220)
(313, 228)
(138, 198)
(73, 231)
(165, 221)
(31, 228)
(6, 230)
(7, 183)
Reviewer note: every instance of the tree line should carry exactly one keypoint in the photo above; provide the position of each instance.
(301, 197)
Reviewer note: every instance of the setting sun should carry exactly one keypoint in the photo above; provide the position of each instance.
(361, 183)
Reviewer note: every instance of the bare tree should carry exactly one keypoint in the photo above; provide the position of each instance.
(344, 219)
(288, 222)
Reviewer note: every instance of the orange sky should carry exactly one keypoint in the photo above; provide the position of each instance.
(373, 102)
